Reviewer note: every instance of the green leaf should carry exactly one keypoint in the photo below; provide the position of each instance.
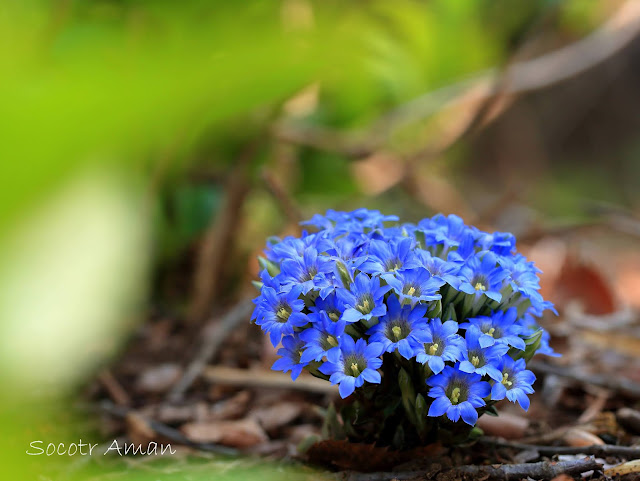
(272, 268)
(532, 344)
(449, 313)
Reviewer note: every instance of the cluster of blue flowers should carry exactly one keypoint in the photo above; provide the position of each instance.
(457, 304)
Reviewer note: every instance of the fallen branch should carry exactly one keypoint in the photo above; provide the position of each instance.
(216, 244)
(599, 450)
(214, 335)
(499, 472)
(265, 379)
(166, 431)
(625, 386)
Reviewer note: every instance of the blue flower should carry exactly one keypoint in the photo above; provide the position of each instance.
(481, 275)
(516, 382)
(323, 338)
(292, 247)
(439, 268)
(290, 360)
(446, 345)
(502, 243)
(390, 256)
(457, 394)
(350, 249)
(414, 285)
(358, 220)
(523, 275)
(481, 360)
(364, 300)
(501, 326)
(401, 328)
(328, 305)
(358, 362)
(448, 231)
(279, 314)
(308, 271)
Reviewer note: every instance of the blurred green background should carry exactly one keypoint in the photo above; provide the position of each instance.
(147, 149)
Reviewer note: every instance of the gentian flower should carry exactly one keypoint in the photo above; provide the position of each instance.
(307, 271)
(364, 300)
(481, 275)
(516, 382)
(414, 285)
(447, 231)
(292, 247)
(457, 394)
(322, 339)
(440, 268)
(401, 328)
(364, 286)
(290, 351)
(499, 327)
(279, 314)
(328, 305)
(390, 256)
(358, 362)
(502, 243)
(445, 345)
(481, 360)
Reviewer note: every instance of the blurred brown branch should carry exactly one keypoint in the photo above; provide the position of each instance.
(213, 336)
(215, 246)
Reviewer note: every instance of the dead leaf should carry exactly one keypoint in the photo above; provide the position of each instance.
(579, 281)
(624, 468)
(231, 408)
(579, 438)
(563, 477)
(278, 415)
(243, 433)
(508, 426)
(139, 430)
(158, 379)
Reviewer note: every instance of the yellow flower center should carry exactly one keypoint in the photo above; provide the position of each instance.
(283, 314)
(480, 286)
(455, 395)
(411, 291)
(355, 369)
(365, 306)
(505, 380)
(475, 360)
(332, 341)
(396, 332)
(433, 349)
(491, 331)
(334, 316)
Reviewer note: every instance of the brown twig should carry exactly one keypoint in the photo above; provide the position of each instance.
(166, 431)
(282, 197)
(214, 334)
(625, 386)
(265, 379)
(114, 388)
(599, 450)
(499, 472)
(214, 250)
